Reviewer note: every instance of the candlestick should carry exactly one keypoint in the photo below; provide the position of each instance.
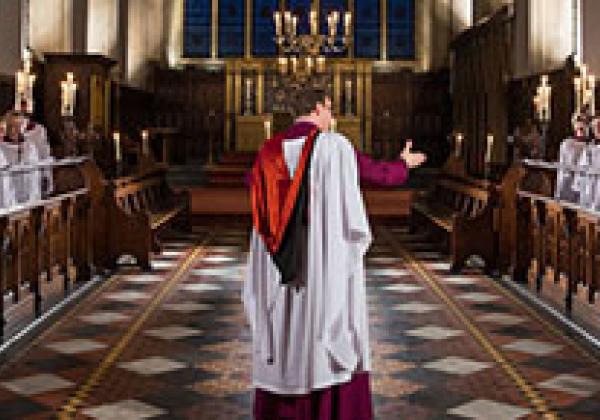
(592, 88)
(117, 142)
(294, 60)
(287, 17)
(309, 64)
(294, 25)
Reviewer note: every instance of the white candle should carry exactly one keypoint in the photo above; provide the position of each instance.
(283, 67)
(347, 22)
(331, 25)
(267, 129)
(294, 64)
(592, 85)
(287, 17)
(294, 25)
(348, 96)
(145, 142)
(309, 64)
(277, 20)
(490, 145)
(313, 22)
(458, 145)
(320, 64)
(117, 141)
(577, 83)
(333, 126)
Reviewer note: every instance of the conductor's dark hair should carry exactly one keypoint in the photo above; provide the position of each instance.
(307, 99)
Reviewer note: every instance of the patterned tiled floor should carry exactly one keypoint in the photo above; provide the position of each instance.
(173, 344)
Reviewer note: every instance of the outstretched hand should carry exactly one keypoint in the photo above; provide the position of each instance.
(412, 159)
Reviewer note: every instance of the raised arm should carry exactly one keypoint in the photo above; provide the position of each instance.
(389, 174)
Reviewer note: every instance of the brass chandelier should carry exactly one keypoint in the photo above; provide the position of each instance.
(302, 55)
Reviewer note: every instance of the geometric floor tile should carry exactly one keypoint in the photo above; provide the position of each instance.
(153, 365)
(218, 259)
(434, 332)
(457, 365)
(387, 272)
(103, 317)
(403, 288)
(200, 287)
(224, 271)
(125, 410)
(75, 346)
(188, 307)
(37, 384)
(173, 332)
(478, 297)
(534, 347)
(143, 278)
(127, 296)
(163, 264)
(416, 307)
(489, 410)
(460, 281)
(172, 253)
(444, 266)
(501, 319)
(573, 384)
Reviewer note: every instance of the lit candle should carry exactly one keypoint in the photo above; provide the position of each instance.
(309, 64)
(27, 60)
(320, 64)
(294, 64)
(248, 88)
(283, 65)
(331, 25)
(267, 129)
(348, 96)
(145, 142)
(490, 146)
(68, 90)
(117, 142)
(277, 19)
(313, 22)
(287, 17)
(333, 125)
(458, 145)
(347, 22)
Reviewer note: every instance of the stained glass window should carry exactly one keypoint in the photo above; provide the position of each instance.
(231, 28)
(401, 29)
(263, 28)
(366, 29)
(197, 28)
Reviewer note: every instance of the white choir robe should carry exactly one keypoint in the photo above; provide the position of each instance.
(26, 185)
(38, 136)
(7, 191)
(315, 335)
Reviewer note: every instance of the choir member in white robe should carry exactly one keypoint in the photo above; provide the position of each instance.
(18, 152)
(37, 135)
(7, 193)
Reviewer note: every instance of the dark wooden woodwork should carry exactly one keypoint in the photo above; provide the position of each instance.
(45, 241)
(7, 93)
(138, 208)
(481, 70)
(193, 102)
(408, 105)
(94, 100)
(463, 211)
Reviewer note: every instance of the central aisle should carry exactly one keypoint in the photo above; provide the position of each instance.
(173, 344)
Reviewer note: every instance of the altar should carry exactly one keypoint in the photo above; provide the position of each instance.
(258, 100)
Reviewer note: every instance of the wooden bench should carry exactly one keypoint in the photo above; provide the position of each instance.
(464, 212)
(140, 207)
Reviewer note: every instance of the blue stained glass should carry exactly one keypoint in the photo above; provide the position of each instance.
(328, 6)
(263, 28)
(366, 29)
(401, 29)
(197, 28)
(231, 28)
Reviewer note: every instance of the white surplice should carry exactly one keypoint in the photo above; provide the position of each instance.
(26, 185)
(38, 137)
(314, 335)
